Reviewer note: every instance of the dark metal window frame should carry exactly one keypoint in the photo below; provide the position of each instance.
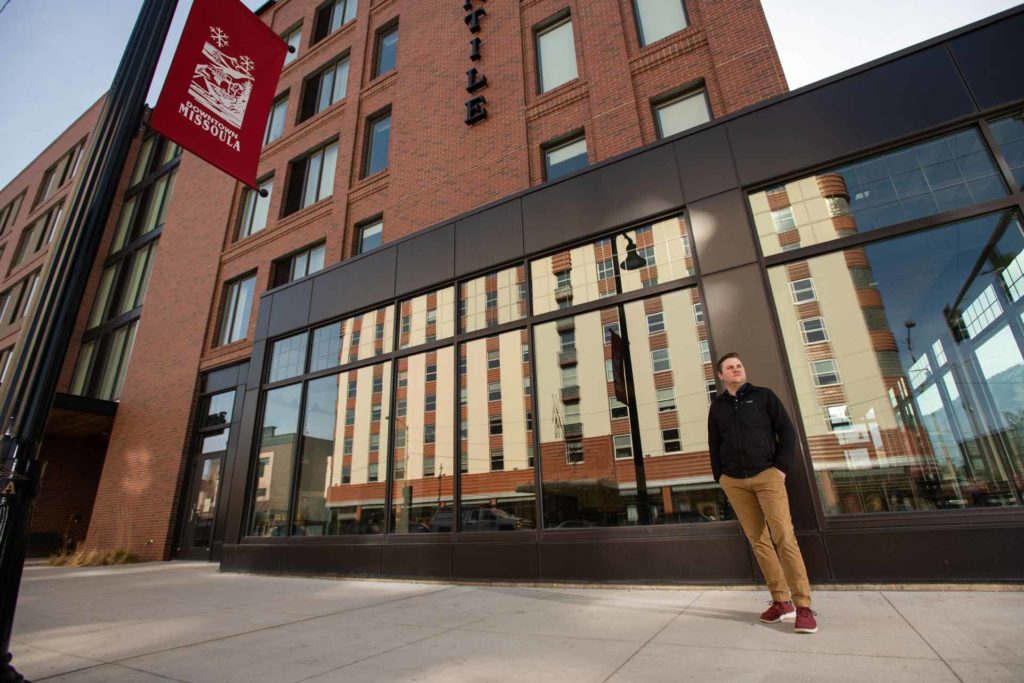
(540, 28)
(309, 98)
(557, 144)
(644, 44)
(676, 95)
(295, 180)
(1013, 200)
(379, 35)
(456, 342)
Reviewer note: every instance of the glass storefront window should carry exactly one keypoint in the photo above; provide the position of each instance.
(427, 318)
(1009, 134)
(275, 461)
(353, 339)
(218, 409)
(493, 299)
(589, 462)
(341, 483)
(642, 257)
(496, 435)
(913, 401)
(912, 182)
(423, 464)
(288, 358)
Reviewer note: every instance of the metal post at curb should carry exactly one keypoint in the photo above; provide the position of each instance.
(44, 340)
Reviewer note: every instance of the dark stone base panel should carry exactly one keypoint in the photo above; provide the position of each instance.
(433, 560)
(496, 561)
(928, 555)
(718, 560)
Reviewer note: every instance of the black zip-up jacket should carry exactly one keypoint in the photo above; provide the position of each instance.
(749, 432)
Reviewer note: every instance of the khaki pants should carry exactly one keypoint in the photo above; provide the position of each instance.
(762, 505)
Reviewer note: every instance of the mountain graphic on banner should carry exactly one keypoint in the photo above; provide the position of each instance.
(222, 84)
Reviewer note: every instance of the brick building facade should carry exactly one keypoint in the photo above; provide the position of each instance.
(407, 345)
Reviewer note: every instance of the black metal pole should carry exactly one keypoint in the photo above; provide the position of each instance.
(44, 341)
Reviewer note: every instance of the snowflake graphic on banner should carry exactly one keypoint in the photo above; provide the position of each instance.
(218, 36)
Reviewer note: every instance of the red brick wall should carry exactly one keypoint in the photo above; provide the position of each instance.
(69, 485)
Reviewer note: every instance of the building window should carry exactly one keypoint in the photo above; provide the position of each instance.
(431, 374)
(378, 384)
(36, 236)
(670, 437)
(372, 469)
(58, 175)
(386, 54)
(657, 19)
(497, 460)
(623, 446)
(378, 137)
(712, 389)
(494, 391)
(275, 124)
(660, 360)
(573, 452)
(825, 373)
(288, 357)
(681, 112)
(332, 16)
(937, 175)
(606, 270)
(705, 351)
(666, 400)
(655, 323)
(312, 178)
(238, 300)
(981, 312)
(5, 363)
(609, 329)
(9, 214)
(403, 379)
(803, 290)
(300, 264)
(813, 330)
(617, 409)
(494, 425)
(493, 360)
(837, 418)
(565, 157)
(375, 413)
(293, 38)
(430, 403)
(556, 54)
(783, 219)
(324, 88)
(255, 208)
(102, 363)
(370, 236)
(429, 433)
(144, 211)
(698, 314)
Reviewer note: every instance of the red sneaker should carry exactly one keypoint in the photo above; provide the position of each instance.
(805, 621)
(778, 611)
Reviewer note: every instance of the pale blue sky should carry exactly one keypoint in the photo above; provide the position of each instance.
(59, 56)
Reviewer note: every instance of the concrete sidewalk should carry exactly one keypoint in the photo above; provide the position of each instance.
(187, 622)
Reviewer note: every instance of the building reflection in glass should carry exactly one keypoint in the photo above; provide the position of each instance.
(496, 423)
(590, 475)
(906, 356)
(424, 443)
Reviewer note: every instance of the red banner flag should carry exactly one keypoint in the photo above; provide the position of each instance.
(220, 87)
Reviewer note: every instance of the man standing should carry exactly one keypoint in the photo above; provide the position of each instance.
(752, 443)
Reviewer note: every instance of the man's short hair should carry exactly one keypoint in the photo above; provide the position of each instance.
(731, 354)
